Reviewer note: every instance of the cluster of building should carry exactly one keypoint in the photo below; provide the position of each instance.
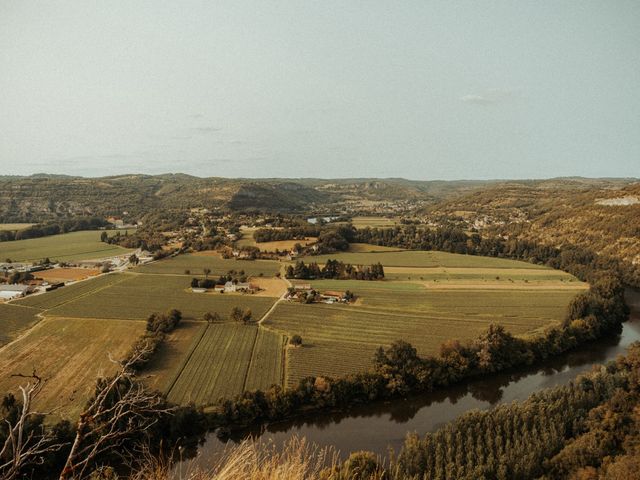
(230, 287)
(302, 291)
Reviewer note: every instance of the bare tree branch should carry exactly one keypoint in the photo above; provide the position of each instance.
(120, 408)
(24, 446)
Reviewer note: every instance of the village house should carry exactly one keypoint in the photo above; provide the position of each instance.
(330, 296)
(231, 287)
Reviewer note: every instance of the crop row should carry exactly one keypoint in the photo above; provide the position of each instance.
(218, 366)
(266, 367)
(70, 292)
(140, 295)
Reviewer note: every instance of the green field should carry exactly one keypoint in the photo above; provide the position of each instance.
(65, 247)
(219, 266)
(137, 296)
(14, 320)
(217, 367)
(341, 339)
(266, 367)
(425, 298)
(416, 259)
(72, 292)
(169, 360)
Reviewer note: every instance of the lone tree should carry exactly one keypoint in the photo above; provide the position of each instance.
(206, 271)
(239, 315)
(296, 340)
(212, 317)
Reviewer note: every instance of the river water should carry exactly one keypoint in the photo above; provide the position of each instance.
(384, 425)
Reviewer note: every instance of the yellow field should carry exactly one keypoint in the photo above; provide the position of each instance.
(369, 248)
(70, 354)
(66, 274)
(284, 244)
(374, 222)
(15, 226)
(271, 287)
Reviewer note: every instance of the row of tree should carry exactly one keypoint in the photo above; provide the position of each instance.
(289, 233)
(334, 269)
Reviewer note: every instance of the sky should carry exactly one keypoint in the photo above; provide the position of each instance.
(416, 89)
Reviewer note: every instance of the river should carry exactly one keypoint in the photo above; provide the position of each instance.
(384, 425)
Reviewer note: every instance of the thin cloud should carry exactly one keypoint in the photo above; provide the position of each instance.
(205, 130)
(488, 97)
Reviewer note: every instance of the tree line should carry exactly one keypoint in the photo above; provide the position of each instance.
(54, 228)
(587, 429)
(581, 262)
(334, 269)
(290, 233)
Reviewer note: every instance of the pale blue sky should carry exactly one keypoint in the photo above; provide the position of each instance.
(420, 89)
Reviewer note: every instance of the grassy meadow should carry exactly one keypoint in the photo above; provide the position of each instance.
(167, 364)
(64, 247)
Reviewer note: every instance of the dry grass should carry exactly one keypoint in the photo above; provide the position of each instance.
(66, 274)
(253, 460)
(284, 244)
(270, 287)
(70, 353)
(369, 248)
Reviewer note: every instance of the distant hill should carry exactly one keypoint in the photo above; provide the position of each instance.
(598, 214)
(555, 211)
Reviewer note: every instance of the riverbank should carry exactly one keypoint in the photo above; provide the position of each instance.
(383, 425)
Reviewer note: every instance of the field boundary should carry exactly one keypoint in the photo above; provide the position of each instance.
(192, 348)
(251, 360)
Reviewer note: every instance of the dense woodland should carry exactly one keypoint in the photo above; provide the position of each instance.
(589, 429)
(291, 233)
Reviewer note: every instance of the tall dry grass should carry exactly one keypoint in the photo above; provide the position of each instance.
(255, 460)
